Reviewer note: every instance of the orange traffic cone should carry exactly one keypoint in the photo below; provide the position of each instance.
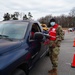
(73, 63)
(74, 43)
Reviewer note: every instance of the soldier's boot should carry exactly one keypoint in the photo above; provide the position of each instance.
(53, 73)
(62, 38)
(54, 70)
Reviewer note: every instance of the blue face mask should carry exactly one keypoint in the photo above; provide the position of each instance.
(52, 23)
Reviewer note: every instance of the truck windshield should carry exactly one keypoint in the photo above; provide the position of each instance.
(15, 30)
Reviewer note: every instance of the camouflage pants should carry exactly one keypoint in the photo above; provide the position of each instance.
(62, 37)
(53, 54)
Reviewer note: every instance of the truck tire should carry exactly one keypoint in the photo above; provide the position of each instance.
(19, 72)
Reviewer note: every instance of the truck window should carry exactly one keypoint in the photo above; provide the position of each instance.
(35, 28)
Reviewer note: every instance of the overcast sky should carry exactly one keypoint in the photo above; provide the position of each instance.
(38, 8)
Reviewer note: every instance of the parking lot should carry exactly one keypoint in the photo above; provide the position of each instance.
(65, 59)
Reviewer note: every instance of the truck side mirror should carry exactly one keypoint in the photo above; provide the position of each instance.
(38, 36)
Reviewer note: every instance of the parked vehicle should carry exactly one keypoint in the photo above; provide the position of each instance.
(19, 48)
(70, 29)
(73, 28)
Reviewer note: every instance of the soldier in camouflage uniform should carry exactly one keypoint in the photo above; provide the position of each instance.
(55, 33)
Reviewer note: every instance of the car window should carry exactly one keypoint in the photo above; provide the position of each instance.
(35, 28)
(13, 30)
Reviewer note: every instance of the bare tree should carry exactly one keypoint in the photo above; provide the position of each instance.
(45, 20)
(15, 16)
(72, 14)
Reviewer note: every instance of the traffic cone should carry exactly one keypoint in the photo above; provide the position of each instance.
(73, 63)
(74, 43)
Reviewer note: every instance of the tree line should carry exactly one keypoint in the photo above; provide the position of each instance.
(16, 15)
(64, 20)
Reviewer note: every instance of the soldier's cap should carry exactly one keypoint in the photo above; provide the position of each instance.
(52, 20)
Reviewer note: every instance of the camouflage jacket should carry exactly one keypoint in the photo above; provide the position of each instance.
(59, 32)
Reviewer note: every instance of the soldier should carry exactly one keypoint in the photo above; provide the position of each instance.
(55, 33)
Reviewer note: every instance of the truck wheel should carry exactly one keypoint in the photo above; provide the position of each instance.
(19, 72)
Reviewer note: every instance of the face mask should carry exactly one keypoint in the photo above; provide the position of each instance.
(52, 23)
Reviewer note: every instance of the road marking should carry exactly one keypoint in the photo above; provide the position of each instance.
(68, 63)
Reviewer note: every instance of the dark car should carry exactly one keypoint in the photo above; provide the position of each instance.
(73, 28)
(19, 48)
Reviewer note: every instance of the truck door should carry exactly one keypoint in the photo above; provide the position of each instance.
(38, 48)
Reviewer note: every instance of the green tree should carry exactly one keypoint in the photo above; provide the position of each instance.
(25, 17)
(30, 15)
(16, 14)
(13, 17)
(6, 17)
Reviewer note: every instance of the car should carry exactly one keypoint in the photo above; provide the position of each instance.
(73, 28)
(19, 49)
(70, 29)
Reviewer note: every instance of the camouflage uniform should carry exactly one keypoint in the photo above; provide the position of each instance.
(54, 51)
(62, 35)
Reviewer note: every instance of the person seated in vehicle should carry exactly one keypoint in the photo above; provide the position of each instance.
(32, 33)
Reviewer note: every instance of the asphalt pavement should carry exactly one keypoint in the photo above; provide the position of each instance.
(66, 55)
(65, 59)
